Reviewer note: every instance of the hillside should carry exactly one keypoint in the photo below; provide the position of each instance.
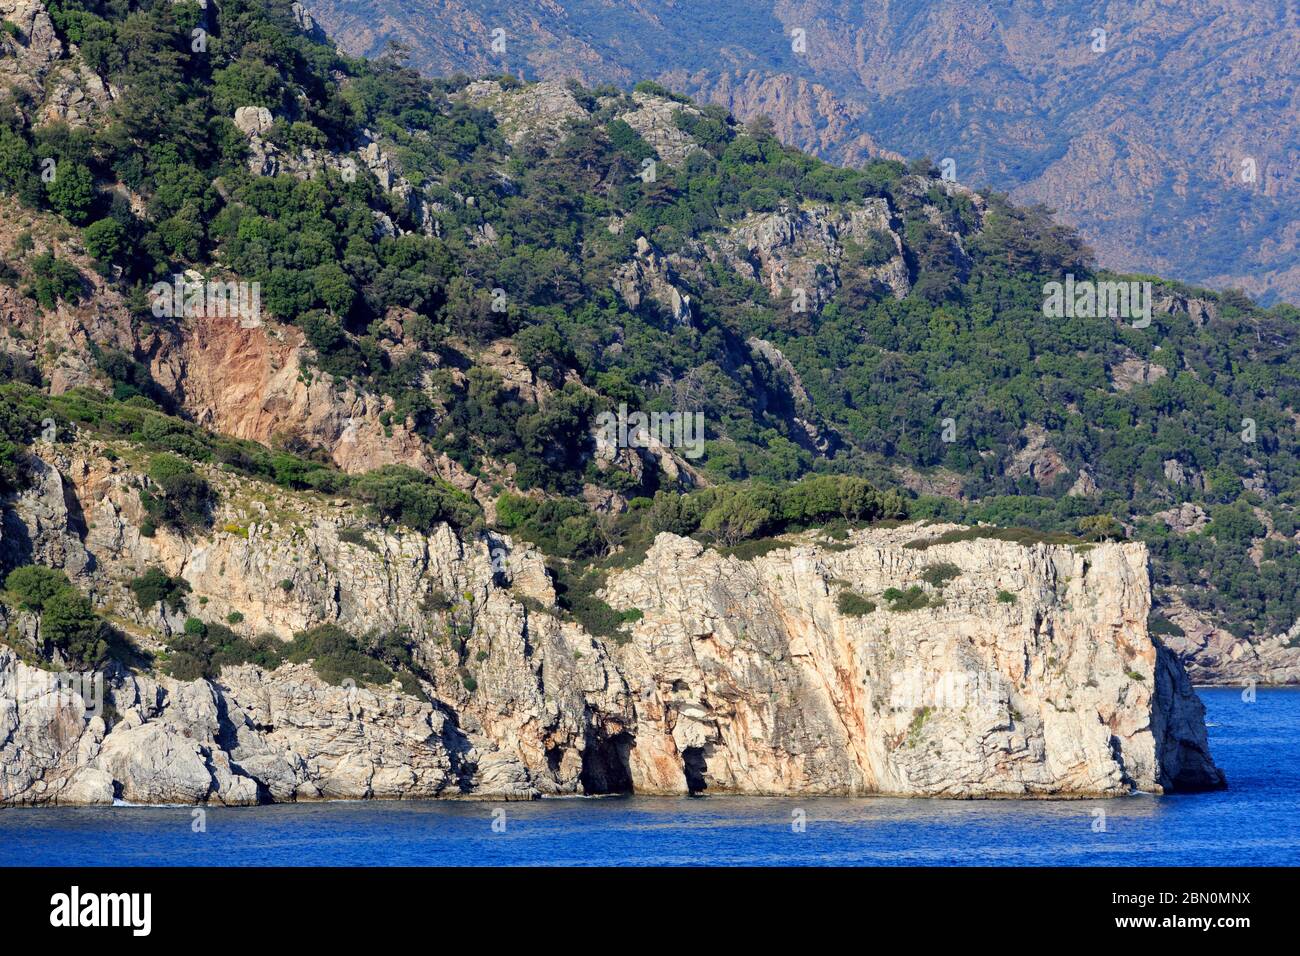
(458, 278)
(1140, 145)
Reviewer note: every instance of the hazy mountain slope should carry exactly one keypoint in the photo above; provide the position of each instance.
(1140, 146)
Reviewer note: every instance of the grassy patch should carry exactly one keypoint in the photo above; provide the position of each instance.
(919, 718)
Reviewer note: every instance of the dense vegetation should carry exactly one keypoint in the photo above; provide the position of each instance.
(410, 315)
(203, 649)
(68, 622)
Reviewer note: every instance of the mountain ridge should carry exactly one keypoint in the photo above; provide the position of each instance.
(1122, 141)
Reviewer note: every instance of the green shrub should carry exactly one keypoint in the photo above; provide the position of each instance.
(576, 594)
(558, 526)
(358, 537)
(736, 513)
(673, 513)
(186, 499)
(1101, 528)
(913, 599)
(853, 605)
(410, 684)
(155, 586)
(937, 575)
(1164, 627)
(1023, 536)
(417, 500)
(919, 717)
(35, 584)
(757, 548)
(55, 280)
(1006, 597)
(19, 424)
(67, 618)
(435, 601)
(72, 192)
(627, 140)
(105, 240)
(736, 516)
(204, 649)
(69, 622)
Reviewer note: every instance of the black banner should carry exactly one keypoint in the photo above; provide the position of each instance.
(297, 906)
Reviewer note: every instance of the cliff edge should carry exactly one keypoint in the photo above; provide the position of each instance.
(911, 660)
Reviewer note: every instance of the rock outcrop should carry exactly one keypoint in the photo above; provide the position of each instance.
(1037, 459)
(798, 254)
(654, 119)
(1025, 670)
(648, 277)
(30, 50)
(540, 110)
(1214, 655)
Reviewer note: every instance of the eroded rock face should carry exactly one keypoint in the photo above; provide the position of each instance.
(541, 110)
(800, 252)
(1028, 672)
(251, 738)
(649, 277)
(1037, 459)
(1133, 371)
(1200, 311)
(27, 57)
(1214, 655)
(250, 381)
(654, 119)
(751, 668)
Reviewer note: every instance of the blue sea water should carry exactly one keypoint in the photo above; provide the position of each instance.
(1254, 823)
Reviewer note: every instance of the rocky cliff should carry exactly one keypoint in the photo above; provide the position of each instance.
(889, 662)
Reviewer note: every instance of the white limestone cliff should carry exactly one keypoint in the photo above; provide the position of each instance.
(1028, 672)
